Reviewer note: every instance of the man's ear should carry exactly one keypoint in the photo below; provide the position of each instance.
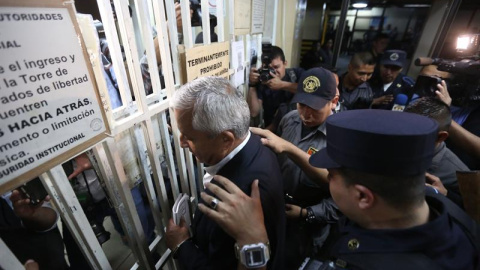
(228, 138)
(364, 197)
(350, 67)
(442, 136)
(333, 103)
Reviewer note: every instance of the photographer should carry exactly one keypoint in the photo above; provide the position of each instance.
(462, 95)
(271, 86)
(355, 91)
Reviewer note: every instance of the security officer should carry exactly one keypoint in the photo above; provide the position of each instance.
(392, 220)
(355, 91)
(391, 82)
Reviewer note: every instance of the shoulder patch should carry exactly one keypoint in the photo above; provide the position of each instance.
(311, 151)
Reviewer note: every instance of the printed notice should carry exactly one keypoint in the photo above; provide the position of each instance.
(47, 97)
(208, 60)
(238, 56)
(258, 13)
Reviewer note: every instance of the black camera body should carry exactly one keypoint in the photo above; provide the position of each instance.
(426, 85)
(34, 190)
(266, 69)
(464, 87)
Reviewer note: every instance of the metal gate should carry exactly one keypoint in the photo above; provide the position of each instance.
(143, 139)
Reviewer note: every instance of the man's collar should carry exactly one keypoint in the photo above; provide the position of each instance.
(213, 169)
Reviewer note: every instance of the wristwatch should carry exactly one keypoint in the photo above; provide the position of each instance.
(254, 255)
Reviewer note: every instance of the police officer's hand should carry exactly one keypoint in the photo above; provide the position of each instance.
(442, 93)
(239, 215)
(254, 76)
(269, 139)
(382, 100)
(294, 211)
(275, 83)
(435, 182)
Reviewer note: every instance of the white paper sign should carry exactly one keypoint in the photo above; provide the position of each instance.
(258, 15)
(238, 56)
(47, 97)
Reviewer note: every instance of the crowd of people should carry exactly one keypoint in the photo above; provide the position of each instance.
(345, 171)
(370, 186)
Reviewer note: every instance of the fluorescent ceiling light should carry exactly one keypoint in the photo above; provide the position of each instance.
(359, 5)
(416, 5)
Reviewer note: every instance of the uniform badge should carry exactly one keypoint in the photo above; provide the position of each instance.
(353, 244)
(394, 56)
(311, 151)
(311, 84)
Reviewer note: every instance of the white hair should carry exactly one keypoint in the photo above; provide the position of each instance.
(215, 104)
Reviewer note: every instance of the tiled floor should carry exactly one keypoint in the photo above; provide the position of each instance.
(119, 255)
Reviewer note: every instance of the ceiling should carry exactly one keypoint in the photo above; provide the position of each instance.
(336, 4)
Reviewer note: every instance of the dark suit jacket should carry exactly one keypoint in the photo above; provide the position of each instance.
(401, 85)
(211, 247)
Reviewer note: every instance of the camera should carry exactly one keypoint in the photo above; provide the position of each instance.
(34, 191)
(266, 60)
(426, 85)
(464, 87)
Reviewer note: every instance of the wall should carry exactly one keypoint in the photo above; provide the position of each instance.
(312, 25)
(285, 26)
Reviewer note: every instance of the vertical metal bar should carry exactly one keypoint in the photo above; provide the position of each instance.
(139, 146)
(323, 22)
(127, 32)
(173, 33)
(231, 17)
(206, 22)
(220, 21)
(129, 216)
(162, 118)
(340, 30)
(187, 28)
(147, 34)
(65, 200)
(157, 172)
(9, 261)
(114, 46)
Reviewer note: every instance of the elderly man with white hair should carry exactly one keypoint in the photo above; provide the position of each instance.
(213, 120)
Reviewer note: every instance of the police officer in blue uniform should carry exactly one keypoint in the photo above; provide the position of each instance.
(391, 82)
(376, 161)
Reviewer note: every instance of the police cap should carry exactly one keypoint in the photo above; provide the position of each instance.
(378, 142)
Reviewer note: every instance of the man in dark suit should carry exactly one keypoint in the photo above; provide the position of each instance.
(391, 82)
(213, 119)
